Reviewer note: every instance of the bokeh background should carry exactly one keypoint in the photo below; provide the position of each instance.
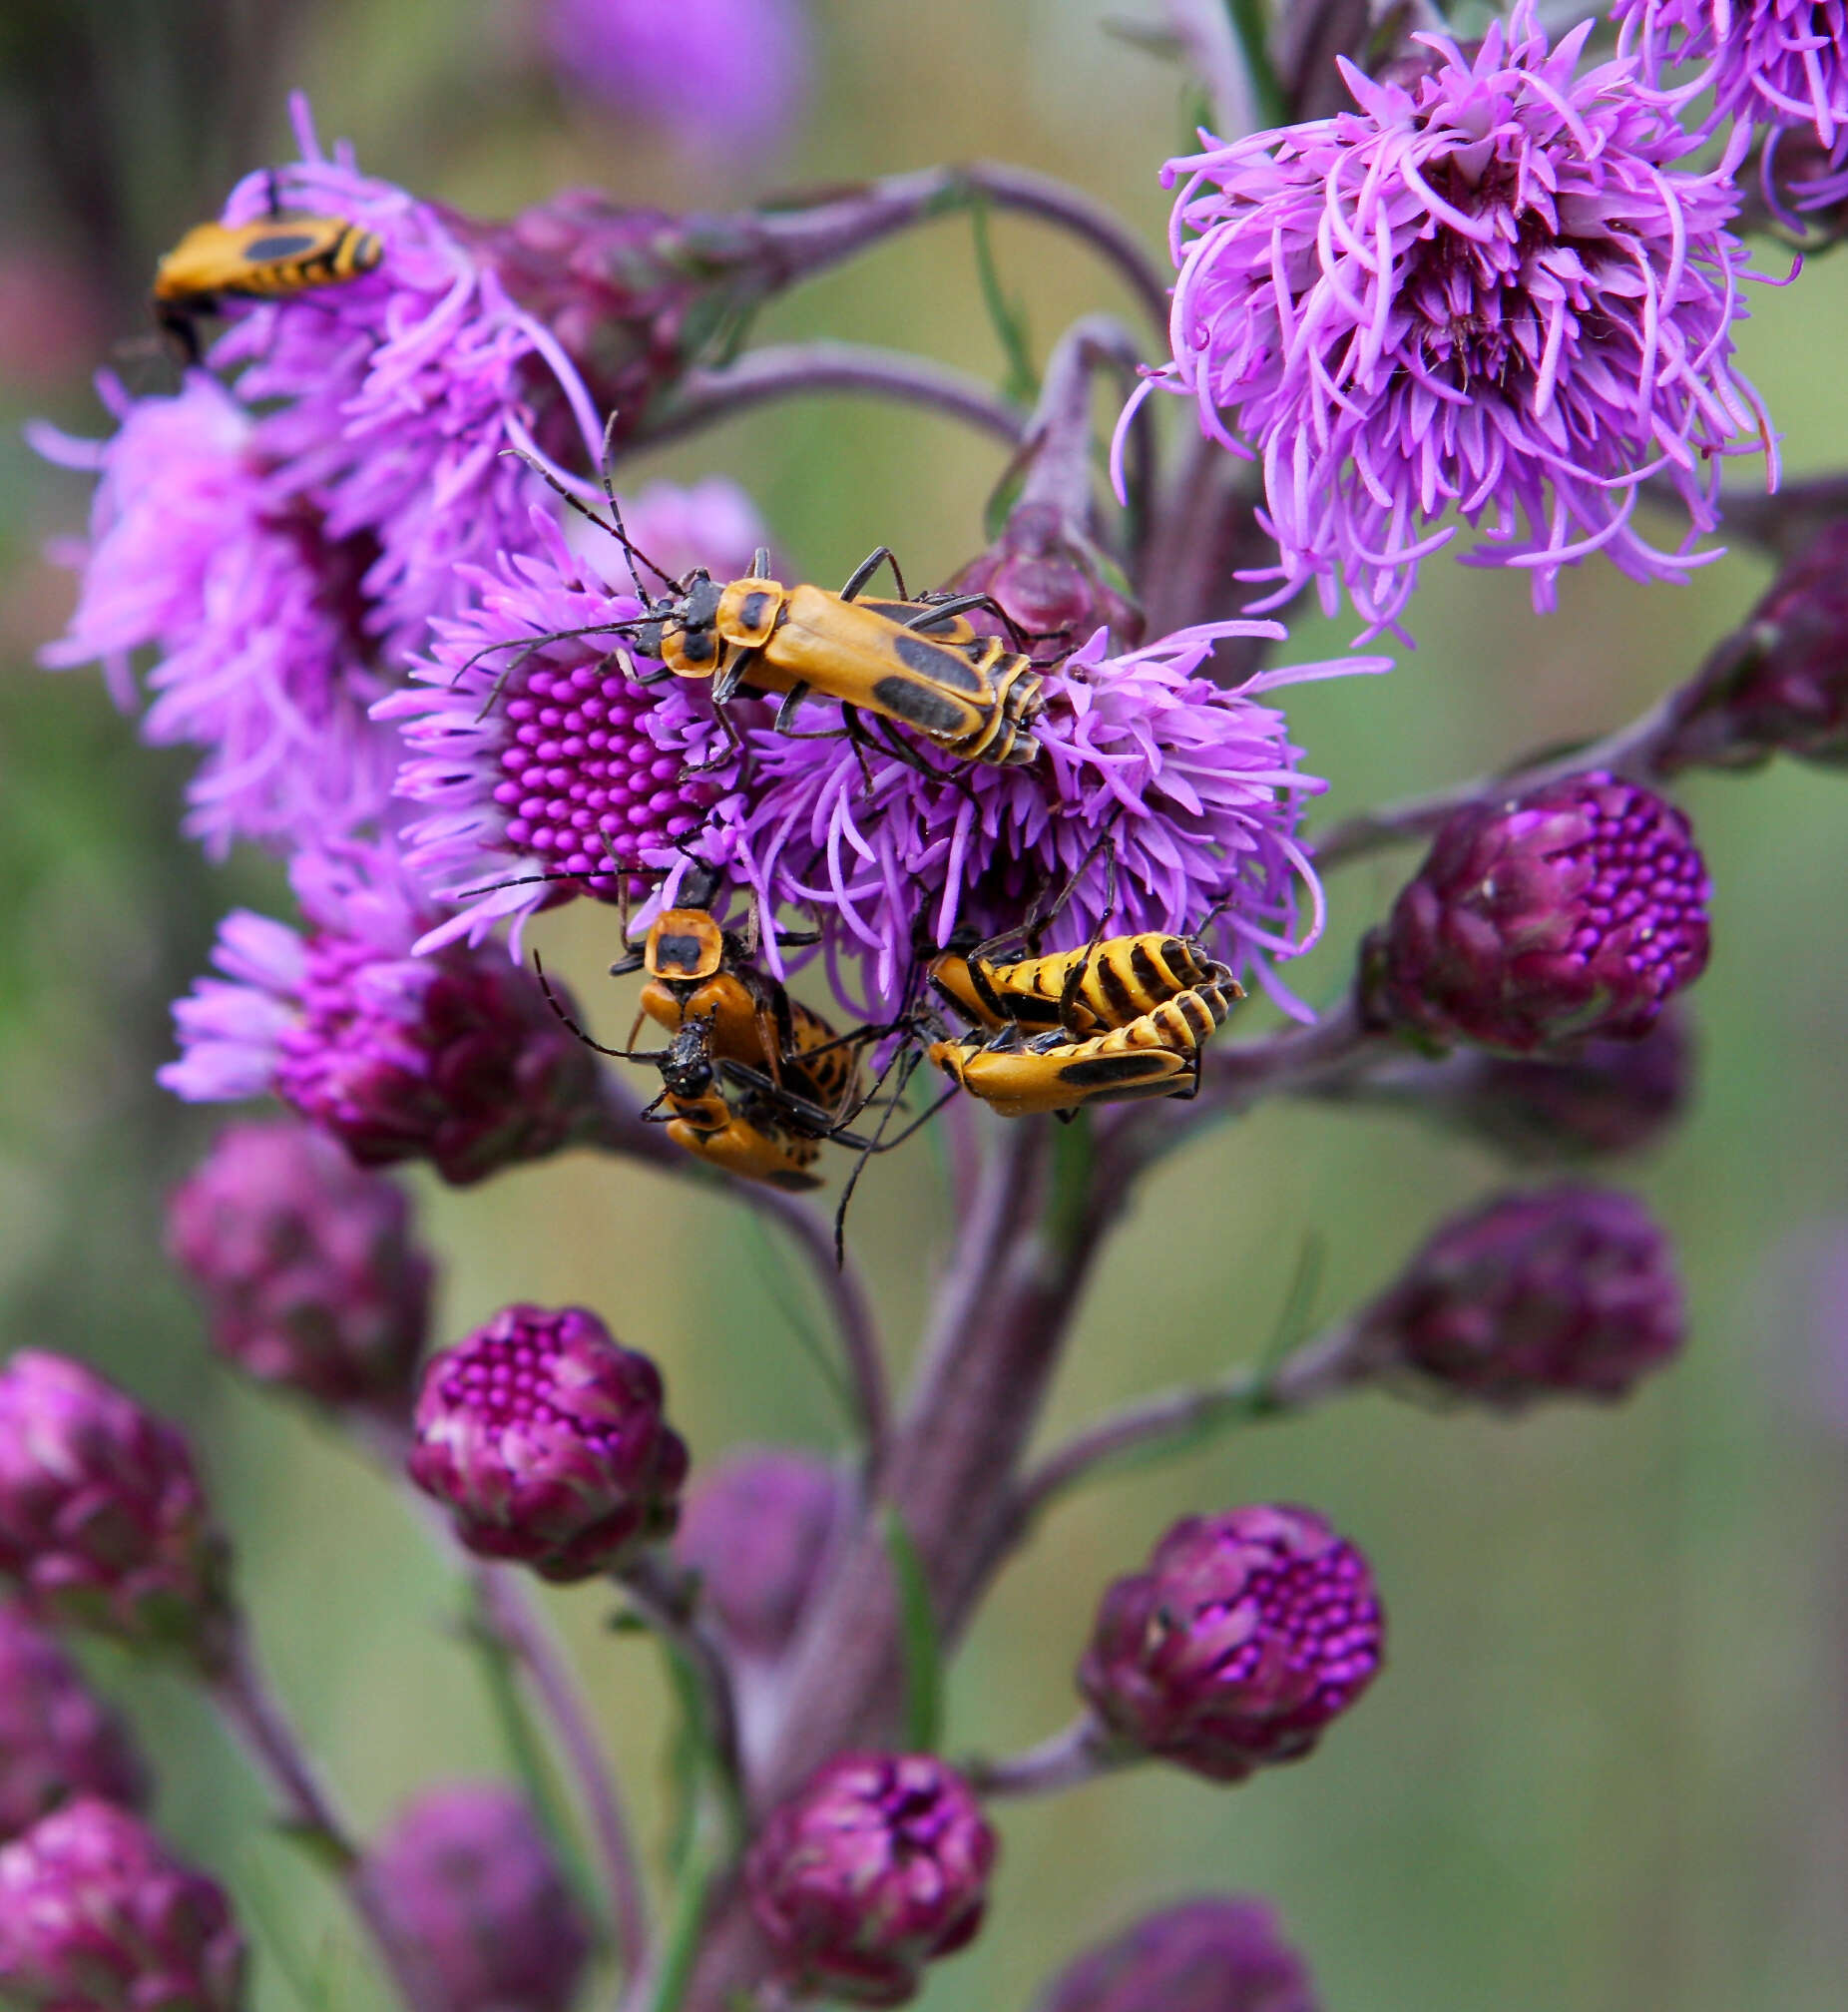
(1607, 1767)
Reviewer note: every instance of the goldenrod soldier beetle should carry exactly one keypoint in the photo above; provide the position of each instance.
(742, 1133)
(281, 253)
(915, 663)
(1156, 1055)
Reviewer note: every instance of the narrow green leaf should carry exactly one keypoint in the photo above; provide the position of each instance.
(310, 1986)
(315, 1844)
(686, 1920)
(1298, 1308)
(1022, 382)
(918, 1637)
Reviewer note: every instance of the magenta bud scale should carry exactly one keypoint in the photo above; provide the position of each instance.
(1205, 1955)
(56, 1740)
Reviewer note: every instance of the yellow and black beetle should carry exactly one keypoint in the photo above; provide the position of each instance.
(280, 253)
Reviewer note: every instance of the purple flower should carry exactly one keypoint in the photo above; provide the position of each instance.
(97, 1915)
(1587, 1100)
(388, 402)
(558, 761)
(878, 1866)
(475, 1904)
(734, 73)
(1246, 1634)
(1206, 1955)
(1569, 1293)
(458, 1058)
(311, 1275)
(547, 1442)
(1194, 791)
(1489, 292)
(1575, 909)
(757, 1529)
(56, 1740)
(1766, 62)
(102, 1521)
(202, 551)
(1778, 682)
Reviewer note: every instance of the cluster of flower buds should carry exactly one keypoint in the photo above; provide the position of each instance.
(102, 1521)
(1781, 680)
(56, 1740)
(546, 1443)
(1575, 909)
(96, 1915)
(878, 1866)
(1244, 1635)
(1207, 1955)
(473, 1905)
(307, 1266)
(1569, 1292)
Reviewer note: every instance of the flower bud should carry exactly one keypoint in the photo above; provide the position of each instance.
(1207, 1955)
(1589, 1100)
(874, 1868)
(1246, 1634)
(1569, 1292)
(56, 1740)
(1053, 582)
(475, 1906)
(757, 1529)
(1780, 681)
(102, 1521)
(96, 1915)
(1575, 909)
(310, 1275)
(546, 1443)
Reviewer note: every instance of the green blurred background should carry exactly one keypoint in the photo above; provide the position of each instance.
(1607, 1766)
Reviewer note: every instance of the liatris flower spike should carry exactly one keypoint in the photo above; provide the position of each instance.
(1490, 289)
(1578, 909)
(1246, 1634)
(1780, 682)
(1569, 1292)
(877, 1866)
(307, 1262)
(1767, 62)
(97, 1915)
(458, 1059)
(103, 1522)
(57, 1740)
(474, 1904)
(1207, 1955)
(546, 1442)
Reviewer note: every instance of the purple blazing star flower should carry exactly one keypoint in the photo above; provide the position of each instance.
(199, 549)
(1766, 62)
(1194, 791)
(456, 1057)
(733, 72)
(1490, 290)
(548, 762)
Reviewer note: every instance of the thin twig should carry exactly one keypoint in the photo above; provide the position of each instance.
(1631, 750)
(1078, 1752)
(245, 1702)
(507, 1608)
(787, 369)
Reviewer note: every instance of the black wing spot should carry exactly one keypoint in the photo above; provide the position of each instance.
(281, 245)
(918, 705)
(753, 610)
(932, 660)
(1106, 1071)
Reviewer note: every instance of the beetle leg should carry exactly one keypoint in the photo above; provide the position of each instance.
(792, 703)
(733, 677)
(867, 566)
(759, 564)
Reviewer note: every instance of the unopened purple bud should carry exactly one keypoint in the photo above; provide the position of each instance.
(757, 1529)
(310, 1276)
(1781, 680)
(96, 1915)
(1207, 1955)
(1569, 1293)
(1246, 1634)
(547, 1442)
(1576, 909)
(475, 1906)
(876, 1867)
(56, 1740)
(1591, 1099)
(1053, 583)
(102, 1521)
